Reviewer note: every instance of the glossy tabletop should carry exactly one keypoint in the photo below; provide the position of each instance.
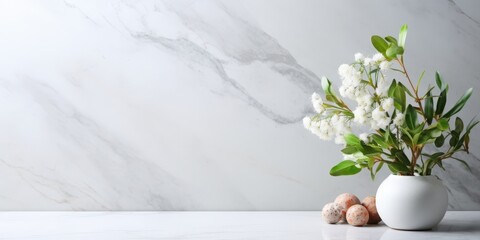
(215, 225)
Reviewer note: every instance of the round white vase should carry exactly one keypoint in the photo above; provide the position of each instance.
(411, 202)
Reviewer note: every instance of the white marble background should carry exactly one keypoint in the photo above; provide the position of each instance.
(197, 105)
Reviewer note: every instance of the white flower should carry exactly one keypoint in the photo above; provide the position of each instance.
(360, 115)
(367, 62)
(317, 103)
(340, 123)
(378, 57)
(342, 91)
(343, 70)
(307, 122)
(364, 137)
(399, 119)
(326, 130)
(339, 139)
(349, 72)
(384, 65)
(379, 119)
(359, 57)
(351, 82)
(365, 100)
(377, 114)
(349, 92)
(323, 129)
(382, 88)
(387, 104)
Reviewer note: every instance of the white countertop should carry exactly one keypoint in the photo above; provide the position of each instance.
(215, 225)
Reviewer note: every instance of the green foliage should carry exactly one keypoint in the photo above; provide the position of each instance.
(425, 122)
(429, 111)
(460, 103)
(402, 36)
(411, 117)
(347, 167)
(379, 43)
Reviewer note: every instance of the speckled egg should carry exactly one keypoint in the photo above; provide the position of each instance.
(371, 206)
(331, 213)
(357, 215)
(345, 201)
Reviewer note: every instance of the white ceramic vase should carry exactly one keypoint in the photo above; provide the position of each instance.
(411, 202)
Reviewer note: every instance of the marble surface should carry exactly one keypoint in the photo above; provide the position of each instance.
(216, 225)
(197, 105)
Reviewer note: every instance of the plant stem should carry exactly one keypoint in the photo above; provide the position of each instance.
(415, 90)
(416, 152)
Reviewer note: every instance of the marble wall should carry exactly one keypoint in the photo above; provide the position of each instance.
(197, 105)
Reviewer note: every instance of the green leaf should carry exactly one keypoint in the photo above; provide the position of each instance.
(454, 139)
(429, 108)
(400, 50)
(429, 90)
(458, 125)
(379, 43)
(402, 36)
(464, 163)
(460, 103)
(398, 167)
(391, 89)
(442, 100)
(391, 51)
(439, 80)
(406, 136)
(369, 150)
(432, 161)
(434, 133)
(429, 135)
(420, 79)
(419, 128)
(326, 85)
(371, 162)
(406, 89)
(351, 139)
(391, 39)
(439, 141)
(460, 142)
(399, 97)
(466, 141)
(346, 167)
(350, 150)
(411, 117)
(379, 166)
(440, 164)
(379, 140)
(442, 124)
(471, 124)
(400, 155)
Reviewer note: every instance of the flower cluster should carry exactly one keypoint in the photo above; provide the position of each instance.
(325, 124)
(363, 82)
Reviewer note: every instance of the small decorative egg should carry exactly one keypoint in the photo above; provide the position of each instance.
(331, 213)
(371, 206)
(357, 215)
(345, 201)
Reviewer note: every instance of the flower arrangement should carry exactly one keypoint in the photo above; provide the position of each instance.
(397, 120)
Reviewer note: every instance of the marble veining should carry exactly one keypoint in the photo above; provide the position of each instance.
(197, 105)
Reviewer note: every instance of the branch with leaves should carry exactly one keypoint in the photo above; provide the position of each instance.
(401, 120)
